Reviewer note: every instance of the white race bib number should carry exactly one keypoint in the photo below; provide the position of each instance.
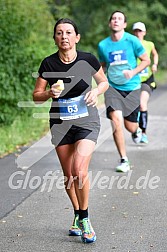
(73, 108)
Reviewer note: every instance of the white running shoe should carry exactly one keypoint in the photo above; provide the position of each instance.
(124, 166)
(136, 136)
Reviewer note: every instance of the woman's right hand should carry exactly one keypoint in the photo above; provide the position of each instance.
(55, 92)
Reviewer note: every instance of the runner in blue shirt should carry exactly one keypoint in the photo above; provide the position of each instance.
(118, 55)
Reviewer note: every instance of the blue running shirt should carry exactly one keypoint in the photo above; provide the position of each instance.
(118, 56)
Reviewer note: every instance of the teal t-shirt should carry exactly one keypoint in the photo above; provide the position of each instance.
(118, 56)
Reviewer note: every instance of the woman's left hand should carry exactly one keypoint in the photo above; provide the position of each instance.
(91, 98)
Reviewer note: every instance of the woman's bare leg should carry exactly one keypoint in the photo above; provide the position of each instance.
(83, 153)
(65, 155)
(75, 159)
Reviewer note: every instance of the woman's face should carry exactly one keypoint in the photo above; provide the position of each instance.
(65, 36)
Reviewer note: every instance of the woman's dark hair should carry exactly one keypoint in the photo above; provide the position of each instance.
(125, 18)
(64, 21)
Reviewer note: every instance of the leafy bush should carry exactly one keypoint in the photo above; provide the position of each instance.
(25, 38)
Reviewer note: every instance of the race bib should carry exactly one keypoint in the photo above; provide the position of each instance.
(118, 63)
(73, 108)
(118, 57)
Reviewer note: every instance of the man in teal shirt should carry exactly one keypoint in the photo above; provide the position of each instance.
(118, 55)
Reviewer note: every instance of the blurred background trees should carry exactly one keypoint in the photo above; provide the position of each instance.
(25, 37)
(92, 18)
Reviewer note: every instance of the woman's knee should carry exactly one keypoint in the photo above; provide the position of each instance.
(80, 174)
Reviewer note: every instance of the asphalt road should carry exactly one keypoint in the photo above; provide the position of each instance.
(128, 211)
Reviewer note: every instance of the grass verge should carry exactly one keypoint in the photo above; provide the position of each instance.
(161, 77)
(24, 130)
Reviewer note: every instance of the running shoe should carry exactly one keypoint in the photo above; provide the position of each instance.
(124, 166)
(144, 139)
(136, 137)
(75, 230)
(88, 234)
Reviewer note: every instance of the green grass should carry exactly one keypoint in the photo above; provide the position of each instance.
(161, 77)
(23, 131)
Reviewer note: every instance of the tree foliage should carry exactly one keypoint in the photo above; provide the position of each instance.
(92, 19)
(24, 31)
